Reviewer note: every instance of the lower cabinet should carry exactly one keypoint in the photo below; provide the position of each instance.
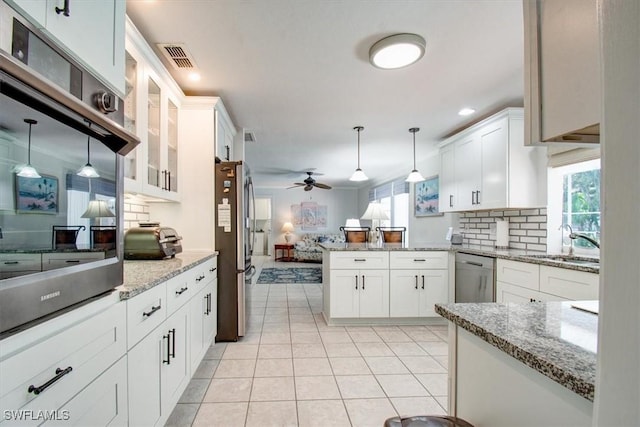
(359, 293)
(159, 370)
(414, 293)
(506, 292)
(204, 320)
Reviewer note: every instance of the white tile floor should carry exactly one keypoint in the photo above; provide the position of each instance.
(291, 369)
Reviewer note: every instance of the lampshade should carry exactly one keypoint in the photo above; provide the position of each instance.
(414, 176)
(28, 171)
(87, 170)
(287, 227)
(98, 209)
(358, 175)
(397, 51)
(352, 222)
(375, 212)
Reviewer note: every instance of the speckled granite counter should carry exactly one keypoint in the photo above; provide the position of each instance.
(140, 276)
(553, 338)
(533, 257)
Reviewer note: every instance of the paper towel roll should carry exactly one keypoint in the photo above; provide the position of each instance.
(502, 233)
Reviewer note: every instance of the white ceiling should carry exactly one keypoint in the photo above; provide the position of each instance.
(296, 73)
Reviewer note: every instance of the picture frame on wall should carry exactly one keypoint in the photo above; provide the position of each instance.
(37, 195)
(427, 197)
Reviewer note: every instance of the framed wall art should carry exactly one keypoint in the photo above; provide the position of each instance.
(427, 197)
(37, 195)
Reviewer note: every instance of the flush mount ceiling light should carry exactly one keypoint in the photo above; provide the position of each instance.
(28, 171)
(397, 51)
(466, 111)
(414, 176)
(358, 175)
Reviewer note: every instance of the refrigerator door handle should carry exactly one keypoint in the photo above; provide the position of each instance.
(252, 194)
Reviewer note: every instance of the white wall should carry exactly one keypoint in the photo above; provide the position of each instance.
(618, 372)
(341, 204)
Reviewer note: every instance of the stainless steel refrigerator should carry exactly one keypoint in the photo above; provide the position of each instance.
(233, 204)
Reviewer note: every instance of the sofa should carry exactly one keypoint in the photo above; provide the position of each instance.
(307, 249)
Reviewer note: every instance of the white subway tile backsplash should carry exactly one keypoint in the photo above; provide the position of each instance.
(527, 228)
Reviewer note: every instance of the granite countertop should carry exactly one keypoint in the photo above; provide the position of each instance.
(552, 338)
(534, 257)
(140, 276)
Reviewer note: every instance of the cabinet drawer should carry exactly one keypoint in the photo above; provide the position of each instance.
(571, 284)
(57, 260)
(179, 291)
(88, 348)
(419, 259)
(360, 259)
(20, 262)
(145, 312)
(519, 273)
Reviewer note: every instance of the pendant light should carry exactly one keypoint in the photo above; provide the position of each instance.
(28, 171)
(358, 175)
(414, 176)
(87, 170)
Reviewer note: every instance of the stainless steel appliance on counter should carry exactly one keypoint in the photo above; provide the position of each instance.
(475, 278)
(234, 241)
(150, 241)
(53, 116)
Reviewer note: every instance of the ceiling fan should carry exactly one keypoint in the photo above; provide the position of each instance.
(309, 183)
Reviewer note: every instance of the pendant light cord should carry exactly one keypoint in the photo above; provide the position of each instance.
(358, 129)
(29, 146)
(413, 131)
(88, 152)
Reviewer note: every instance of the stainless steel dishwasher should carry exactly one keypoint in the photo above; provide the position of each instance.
(475, 278)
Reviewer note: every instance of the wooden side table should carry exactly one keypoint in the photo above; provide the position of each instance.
(286, 255)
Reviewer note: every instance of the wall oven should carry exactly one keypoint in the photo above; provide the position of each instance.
(61, 180)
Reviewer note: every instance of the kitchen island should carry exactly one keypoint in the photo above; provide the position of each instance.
(526, 364)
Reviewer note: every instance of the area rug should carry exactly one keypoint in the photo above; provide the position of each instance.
(291, 275)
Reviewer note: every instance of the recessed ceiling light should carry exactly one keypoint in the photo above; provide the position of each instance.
(194, 76)
(397, 51)
(466, 111)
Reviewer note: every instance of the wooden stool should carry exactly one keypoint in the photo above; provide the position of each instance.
(426, 421)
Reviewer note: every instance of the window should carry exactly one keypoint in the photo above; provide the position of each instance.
(578, 205)
(394, 198)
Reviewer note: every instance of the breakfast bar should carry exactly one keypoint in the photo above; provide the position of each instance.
(521, 363)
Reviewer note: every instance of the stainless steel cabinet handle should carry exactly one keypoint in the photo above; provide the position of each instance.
(172, 332)
(478, 197)
(168, 338)
(416, 281)
(359, 260)
(182, 290)
(423, 281)
(477, 264)
(64, 9)
(356, 281)
(363, 282)
(450, 200)
(153, 310)
(12, 262)
(419, 260)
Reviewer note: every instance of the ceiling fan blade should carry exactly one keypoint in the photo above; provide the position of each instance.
(308, 188)
(323, 186)
(300, 184)
(296, 186)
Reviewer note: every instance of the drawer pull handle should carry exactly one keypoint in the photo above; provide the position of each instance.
(153, 310)
(199, 278)
(211, 270)
(359, 259)
(419, 260)
(182, 290)
(11, 262)
(73, 261)
(59, 374)
(416, 281)
(423, 281)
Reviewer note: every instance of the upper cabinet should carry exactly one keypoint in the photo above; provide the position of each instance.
(151, 104)
(562, 71)
(91, 31)
(487, 167)
(225, 133)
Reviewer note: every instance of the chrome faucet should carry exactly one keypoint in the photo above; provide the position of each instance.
(574, 236)
(563, 227)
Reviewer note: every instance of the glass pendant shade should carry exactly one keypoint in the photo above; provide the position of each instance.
(28, 171)
(98, 209)
(414, 176)
(358, 175)
(87, 170)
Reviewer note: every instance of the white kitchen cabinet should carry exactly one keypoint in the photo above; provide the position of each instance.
(487, 167)
(225, 133)
(17, 264)
(92, 33)
(560, 37)
(152, 110)
(521, 282)
(66, 360)
(159, 371)
(417, 281)
(203, 322)
(359, 293)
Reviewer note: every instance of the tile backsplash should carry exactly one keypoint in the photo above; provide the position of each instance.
(527, 228)
(134, 212)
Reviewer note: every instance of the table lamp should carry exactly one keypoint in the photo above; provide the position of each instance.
(375, 213)
(287, 228)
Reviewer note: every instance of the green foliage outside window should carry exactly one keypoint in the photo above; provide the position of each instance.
(581, 204)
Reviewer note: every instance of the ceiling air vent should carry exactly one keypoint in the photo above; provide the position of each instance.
(249, 136)
(177, 55)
